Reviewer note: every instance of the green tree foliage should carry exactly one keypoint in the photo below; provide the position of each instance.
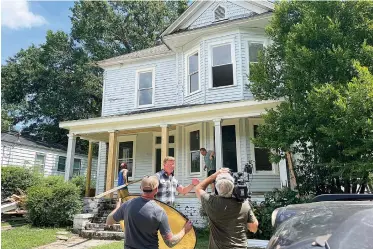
(320, 64)
(112, 28)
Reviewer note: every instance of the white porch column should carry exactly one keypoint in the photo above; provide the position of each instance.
(69, 166)
(164, 143)
(283, 173)
(218, 144)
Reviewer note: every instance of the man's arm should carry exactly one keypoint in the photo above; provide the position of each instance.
(172, 240)
(125, 176)
(252, 224)
(110, 219)
(201, 187)
(212, 154)
(185, 190)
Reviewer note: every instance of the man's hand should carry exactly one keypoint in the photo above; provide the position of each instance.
(195, 181)
(188, 226)
(220, 171)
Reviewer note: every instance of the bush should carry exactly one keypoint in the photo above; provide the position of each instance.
(272, 200)
(14, 177)
(53, 202)
(79, 181)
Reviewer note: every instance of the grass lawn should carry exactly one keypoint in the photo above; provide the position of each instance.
(25, 237)
(202, 243)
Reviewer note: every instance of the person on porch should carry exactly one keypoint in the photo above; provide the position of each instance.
(123, 179)
(143, 218)
(210, 164)
(168, 184)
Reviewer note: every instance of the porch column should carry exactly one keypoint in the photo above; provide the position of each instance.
(112, 154)
(164, 145)
(69, 166)
(218, 144)
(89, 170)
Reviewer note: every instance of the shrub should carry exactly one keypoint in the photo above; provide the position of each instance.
(79, 181)
(272, 200)
(53, 202)
(14, 177)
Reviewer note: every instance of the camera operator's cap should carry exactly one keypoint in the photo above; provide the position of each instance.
(149, 183)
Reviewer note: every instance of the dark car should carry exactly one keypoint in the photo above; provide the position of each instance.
(344, 223)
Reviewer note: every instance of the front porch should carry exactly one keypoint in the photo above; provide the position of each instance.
(143, 139)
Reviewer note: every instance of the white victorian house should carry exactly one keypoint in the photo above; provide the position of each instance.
(190, 92)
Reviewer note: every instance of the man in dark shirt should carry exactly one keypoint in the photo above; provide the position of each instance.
(229, 219)
(143, 217)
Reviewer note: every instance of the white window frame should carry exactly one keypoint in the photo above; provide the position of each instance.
(188, 130)
(233, 60)
(247, 42)
(80, 166)
(187, 84)
(137, 95)
(225, 13)
(45, 157)
(274, 170)
(126, 139)
(159, 146)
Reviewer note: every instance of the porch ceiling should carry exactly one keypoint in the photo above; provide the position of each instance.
(98, 128)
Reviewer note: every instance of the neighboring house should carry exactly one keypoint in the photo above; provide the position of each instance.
(50, 159)
(190, 92)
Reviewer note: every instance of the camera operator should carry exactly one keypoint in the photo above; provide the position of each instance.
(229, 218)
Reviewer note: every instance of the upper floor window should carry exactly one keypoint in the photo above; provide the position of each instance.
(193, 73)
(219, 13)
(254, 49)
(222, 66)
(145, 87)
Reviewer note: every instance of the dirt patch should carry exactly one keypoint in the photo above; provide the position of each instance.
(76, 242)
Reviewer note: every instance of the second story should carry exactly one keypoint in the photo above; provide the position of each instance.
(204, 59)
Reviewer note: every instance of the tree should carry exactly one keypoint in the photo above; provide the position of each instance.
(321, 52)
(112, 28)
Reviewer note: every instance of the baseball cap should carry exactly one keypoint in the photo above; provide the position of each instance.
(149, 183)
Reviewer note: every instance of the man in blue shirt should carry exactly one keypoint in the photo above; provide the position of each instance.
(123, 179)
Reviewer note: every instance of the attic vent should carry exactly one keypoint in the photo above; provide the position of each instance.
(219, 13)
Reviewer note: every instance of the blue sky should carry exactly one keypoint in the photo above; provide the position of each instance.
(25, 23)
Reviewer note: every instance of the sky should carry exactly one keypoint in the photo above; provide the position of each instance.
(24, 23)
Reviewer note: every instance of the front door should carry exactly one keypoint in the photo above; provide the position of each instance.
(229, 147)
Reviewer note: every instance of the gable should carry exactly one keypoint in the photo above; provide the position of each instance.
(231, 10)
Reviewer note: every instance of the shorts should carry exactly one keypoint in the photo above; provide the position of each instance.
(210, 172)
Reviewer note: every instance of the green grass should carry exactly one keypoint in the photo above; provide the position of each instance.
(202, 243)
(26, 237)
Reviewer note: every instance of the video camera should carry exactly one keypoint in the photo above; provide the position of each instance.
(241, 179)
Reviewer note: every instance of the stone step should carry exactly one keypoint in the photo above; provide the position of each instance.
(103, 235)
(102, 227)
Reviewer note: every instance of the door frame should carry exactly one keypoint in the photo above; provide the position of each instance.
(159, 146)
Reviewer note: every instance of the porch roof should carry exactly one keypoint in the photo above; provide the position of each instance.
(153, 119)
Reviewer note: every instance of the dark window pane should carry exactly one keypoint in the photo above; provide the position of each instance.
(193, 63)
(125, 150)
(193, 82)
(221, 55)
(158, 140)
(194, 140)
(171, 139)
(76, 168)
(195, 161)
(171, 152)
(262, 159)
(256, 131)
(222, 75)
(254, 49)
(61, 163)
(145, 80)
(158, 163)
(145, 97)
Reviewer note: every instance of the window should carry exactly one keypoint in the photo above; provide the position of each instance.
(61, 163)
(145, 87)
(219, 13)
(194, 146)
(222, 66)
(193, 73)
(262, 162)
(254, 49)
(126, 155)
(40, 162)
(77, 166)
(158, 151)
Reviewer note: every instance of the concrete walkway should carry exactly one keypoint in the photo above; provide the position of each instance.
(76, 242)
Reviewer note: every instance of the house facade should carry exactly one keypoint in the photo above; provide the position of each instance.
(190, 92)
(49, 159)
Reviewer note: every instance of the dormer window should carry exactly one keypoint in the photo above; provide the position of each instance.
(219, 13)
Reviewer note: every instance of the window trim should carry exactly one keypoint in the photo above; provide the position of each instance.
(159, 146)
(233, 60)
(58, 162)
(189, 129)
(131, 138)
(80, 166)
(41, 154)
(187, 85)
(252, 151)
(225, 13)
(247, 53)
(137, 90)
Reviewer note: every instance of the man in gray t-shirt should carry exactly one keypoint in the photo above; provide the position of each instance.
(143, 217)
